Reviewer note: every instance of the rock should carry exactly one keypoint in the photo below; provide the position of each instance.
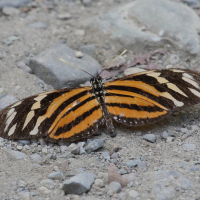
(132, 194)
(51, 70)
(10, 40)
(193, 3)
(56, 176)
(7, 100)
(17, 154)
(44, 151)
(94, 145)
(78, 184)
(189, 147)
(87, 3)
(64, 16)
(48, 183)
(133, 163)
(35, 157)
(150, 138)
(114, 155)
(24, 195)
(79, 32)
(164, 135)
(170, 139)
(38, 25)
(88, 49)
(10, 11)
(24, 142)
(15, 4)
(173, 59)
(130, 177)
(74, 149)
(122, 171)
(114, 176)
(114, 187)
(138, 133)
(19, 147)
(99, 183)
(179, 28)
(43, 190)
(79, 54)
(106, 155)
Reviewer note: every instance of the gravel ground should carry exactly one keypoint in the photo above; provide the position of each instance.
(159, 161)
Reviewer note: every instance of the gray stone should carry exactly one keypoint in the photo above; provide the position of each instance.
(64, 16)
(114, 155)
(133, 163)
(164, 135)
(17, 154)
(99, 183)
(24, 142)
(74, 149)
(179, 28)
(43, 190)
(173, 59)
(106, 155)
(50, 69)
(114, 187)
(38, 25)
(7, 100)
(138, 133)
(15, 3)
(56, 176)
(189, 147)
(88, 49)
(94, 145)
(130, 177)
(193, 3)
(87, 2)
(10, 11)
(122, 171)
(170, 139)
(48, 183)
(78, 184)
(150, 138)
(35, 157)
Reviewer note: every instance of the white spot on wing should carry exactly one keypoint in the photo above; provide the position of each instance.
(177, 70)
(10, 112)
(190, 79)
(175, 88)
(28, 118)
(16, 104)
(194, 92)
(9, 120)
(35, 129)
(169, 96)
(156, 75)
(12, 130)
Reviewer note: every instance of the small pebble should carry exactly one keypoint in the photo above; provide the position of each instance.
(189, 147)
(114, 155)
(170, 139)
(94, 145)
(150, 138)
(99, 183)
(114, 187)
(106, 155)
(79, 54)
(64, 16)
(56, 176)
(164, 135)
(132, 194)
(43, 190)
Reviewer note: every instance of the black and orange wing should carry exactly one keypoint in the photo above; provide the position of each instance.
(70, 114)
(149, 96)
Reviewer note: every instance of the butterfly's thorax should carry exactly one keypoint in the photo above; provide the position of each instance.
(98, 89)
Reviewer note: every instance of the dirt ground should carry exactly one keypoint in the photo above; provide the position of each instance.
(21, 178)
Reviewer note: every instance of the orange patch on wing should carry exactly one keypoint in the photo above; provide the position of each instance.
(73, 114)
(128, 100)
(138, 96)
(125, 112)
(135, 84)
(83, 125)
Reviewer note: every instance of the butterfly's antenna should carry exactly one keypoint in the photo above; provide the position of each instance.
(113, 61)
(75, 66)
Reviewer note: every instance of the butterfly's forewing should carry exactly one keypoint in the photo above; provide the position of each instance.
(149, 96)
(68, 114)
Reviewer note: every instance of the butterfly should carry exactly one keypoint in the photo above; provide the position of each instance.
(74, 114)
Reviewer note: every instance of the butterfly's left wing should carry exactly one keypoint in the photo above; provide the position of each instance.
(149, 96)
(69, 114)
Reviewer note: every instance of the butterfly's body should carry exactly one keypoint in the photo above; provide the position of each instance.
(75, 114)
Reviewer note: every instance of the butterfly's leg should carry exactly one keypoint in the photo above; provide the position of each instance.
(108, 120)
